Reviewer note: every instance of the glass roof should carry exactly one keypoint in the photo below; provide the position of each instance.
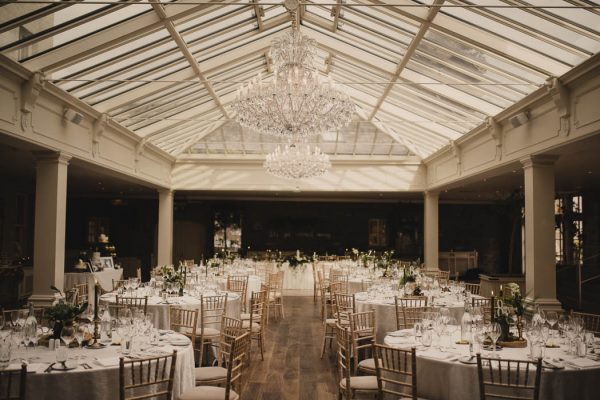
(420, 75)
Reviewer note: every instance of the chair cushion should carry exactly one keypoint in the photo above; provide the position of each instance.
(361, 382)
(207, 393)
(245, 316)
(255, 325)
(205, 374)
(331, 321)
(367, 364)
(208, 332)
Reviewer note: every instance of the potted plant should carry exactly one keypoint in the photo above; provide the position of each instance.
(63, 313)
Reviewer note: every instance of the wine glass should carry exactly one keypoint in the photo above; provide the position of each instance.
(80, 331)
(125, 315)
(494, 333)
(551, 319)
(67, 335)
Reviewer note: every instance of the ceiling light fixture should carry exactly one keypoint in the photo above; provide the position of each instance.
(297, 161)
(297, 102)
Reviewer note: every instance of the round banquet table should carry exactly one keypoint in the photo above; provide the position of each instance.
(443, 376)
(385, 311)
(160, 310)
(101, 382)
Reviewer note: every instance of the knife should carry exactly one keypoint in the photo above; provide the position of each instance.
(49, 368)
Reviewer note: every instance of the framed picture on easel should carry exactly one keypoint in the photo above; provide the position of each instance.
(107, 262)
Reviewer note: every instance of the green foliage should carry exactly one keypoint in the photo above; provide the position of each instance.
(62, 311)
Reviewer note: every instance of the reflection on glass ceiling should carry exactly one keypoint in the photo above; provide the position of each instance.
(421, 76)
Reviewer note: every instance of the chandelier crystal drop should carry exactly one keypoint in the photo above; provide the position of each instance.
(297, 102)
(297, 161)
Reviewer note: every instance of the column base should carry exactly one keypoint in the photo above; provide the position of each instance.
(543, 304)
(42, 299)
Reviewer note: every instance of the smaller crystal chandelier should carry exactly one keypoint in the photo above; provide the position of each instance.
(297, 161)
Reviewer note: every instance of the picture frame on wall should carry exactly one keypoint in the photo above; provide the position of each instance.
(107, 262)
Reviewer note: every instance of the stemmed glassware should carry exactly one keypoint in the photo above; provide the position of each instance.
(67, 335)
(80, 332)
(551, 319)
(494, 333)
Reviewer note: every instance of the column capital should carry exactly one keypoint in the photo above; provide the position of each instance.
(542, 160)
(169, 192)
(431, 193)
(49, 157)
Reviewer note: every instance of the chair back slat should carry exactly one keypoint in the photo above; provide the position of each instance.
(509, 379)
(396, 371)
(149, 377)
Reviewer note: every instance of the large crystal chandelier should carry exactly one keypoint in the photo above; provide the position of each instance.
(297, 102)
(297, 161)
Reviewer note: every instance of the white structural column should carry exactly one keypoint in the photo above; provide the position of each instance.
(50, 220)
(540, 264)
(431, 228)
(165, 227)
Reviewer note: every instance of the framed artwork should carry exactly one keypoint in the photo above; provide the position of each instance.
(107, 262)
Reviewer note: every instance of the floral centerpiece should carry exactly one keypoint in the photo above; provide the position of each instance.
(384, 261)
(510, 309)
(63, 313)
(364, 257)
(297, 260)
(172, 279)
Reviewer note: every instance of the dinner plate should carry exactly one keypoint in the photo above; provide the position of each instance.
(468, 360)
(178, 342)
(490, 348)
(67, 366)
(553, 365)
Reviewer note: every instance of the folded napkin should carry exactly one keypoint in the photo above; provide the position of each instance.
(437, 355)
(402, 333)
(108, 361)
(583, 363)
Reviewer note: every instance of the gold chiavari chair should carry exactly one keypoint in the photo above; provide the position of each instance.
(473, 288)
(152, 376)
(323, 289)
(81, 293)
(132, 302)
(349, 384)
(363, 332)
(212, 309)
(38, 312)
(338, 276)
(328, 317)
(236, 369)
(256, 325)
(184, 321)
(443, 275)
(590, 321)
(413, 315)
(12, 383)
(315, 282)
(239, 284)
(411, 301)
(344, 306)
(396, 371)
(188, 263)
(509, 379)
(275, 294)
(485, 304)
(217, 375)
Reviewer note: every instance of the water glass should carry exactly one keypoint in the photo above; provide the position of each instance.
(126, 343)
(61, 353)
(537, 350)
(5, 350)
(426, 338)
(418, 328)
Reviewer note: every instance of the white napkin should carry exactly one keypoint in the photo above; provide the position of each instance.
(436, 354)
(108, 361)
(401, 333)
(583, 363)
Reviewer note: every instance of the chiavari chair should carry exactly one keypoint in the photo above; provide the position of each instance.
(239, 284)
(217, 375)
(473, 288)
(485, 304)
(12, 383)
(363, 333)
(212, 309)
(591, 322)
(396, 371)
(257, 323)
(140, 303)
(118, 283)
(345, 305)
(184, 321)
(349, 385)
(411, 301)
(315, 281)
(509, 379)
(152, 376)
(81, 293)
(275, 294)
(236, 369)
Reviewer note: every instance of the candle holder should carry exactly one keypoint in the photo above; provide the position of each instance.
(95, 344)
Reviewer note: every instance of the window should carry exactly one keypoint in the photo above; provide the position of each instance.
(377, 232)
(568, 229)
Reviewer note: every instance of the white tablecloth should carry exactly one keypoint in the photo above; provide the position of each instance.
(105, 279)
(160, 311)
(98, 383)
(385, 312)
(451, 380)
(299, 278)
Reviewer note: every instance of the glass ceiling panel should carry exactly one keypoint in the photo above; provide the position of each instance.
(508, 33)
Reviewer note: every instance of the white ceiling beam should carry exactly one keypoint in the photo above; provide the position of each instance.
(259, 13)
(106, 39)
(170, 26)
(194, 139)
(412, 47)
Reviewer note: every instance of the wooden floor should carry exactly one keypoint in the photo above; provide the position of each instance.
(292, 368)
